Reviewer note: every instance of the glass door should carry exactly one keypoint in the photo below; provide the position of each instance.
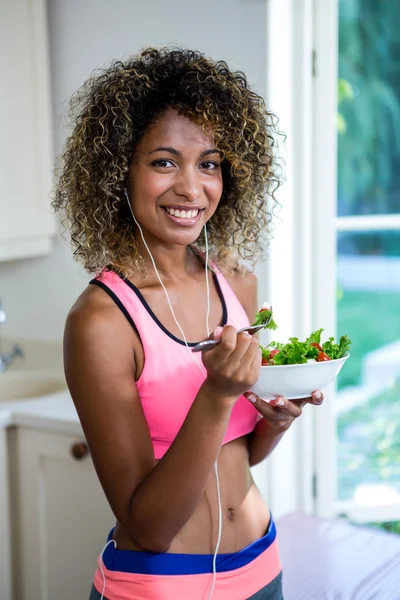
(367, 403)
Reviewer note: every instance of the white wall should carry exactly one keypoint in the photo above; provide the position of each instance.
(274, 49)
(84, 35)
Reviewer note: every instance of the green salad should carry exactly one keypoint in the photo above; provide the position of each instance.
(264, 317)
(296, 352)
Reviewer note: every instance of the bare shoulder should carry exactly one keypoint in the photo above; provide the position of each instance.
(100, 372)
(97, 339)
(245, 286)
(93, 305)
(242, 281)
(94, 318)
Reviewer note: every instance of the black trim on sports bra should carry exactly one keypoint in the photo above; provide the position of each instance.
(158, 322)
(117, 302)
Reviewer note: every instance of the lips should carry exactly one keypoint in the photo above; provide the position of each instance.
(183, 214)
(183, 211)
(185, 217)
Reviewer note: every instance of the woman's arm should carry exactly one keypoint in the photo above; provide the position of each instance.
(262, 441)
(152, 501)
(264, 438)
(278, 414)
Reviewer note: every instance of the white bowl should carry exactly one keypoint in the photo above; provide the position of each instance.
(296, 381)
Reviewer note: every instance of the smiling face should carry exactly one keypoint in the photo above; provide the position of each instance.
(175, 180)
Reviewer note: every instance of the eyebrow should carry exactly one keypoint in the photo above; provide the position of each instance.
(177, 153)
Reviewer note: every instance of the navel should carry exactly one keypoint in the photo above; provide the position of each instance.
(231, 514)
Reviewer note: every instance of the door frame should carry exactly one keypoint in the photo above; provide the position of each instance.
(324, 167)
(287, 278)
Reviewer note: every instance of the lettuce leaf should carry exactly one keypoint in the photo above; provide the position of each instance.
(334, 350)
(262, 318)
(296, 352)
(315, 337)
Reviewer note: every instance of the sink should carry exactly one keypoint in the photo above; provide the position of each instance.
(25, 385)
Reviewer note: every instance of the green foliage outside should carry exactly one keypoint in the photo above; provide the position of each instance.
(371, 320)
(392, 527)
(368, 125)
(369, 183)
(369, 434)
(369, 449)
(369, 107)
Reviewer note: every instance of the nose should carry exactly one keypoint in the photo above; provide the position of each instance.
(188, 184)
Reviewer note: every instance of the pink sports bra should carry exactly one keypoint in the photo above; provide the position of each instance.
(170, 379)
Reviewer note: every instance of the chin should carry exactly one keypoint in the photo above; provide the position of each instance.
(182, 237)
(182, 240)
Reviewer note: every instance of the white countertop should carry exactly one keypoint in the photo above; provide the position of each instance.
(54, 411)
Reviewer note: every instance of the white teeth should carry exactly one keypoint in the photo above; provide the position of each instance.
(182, 214)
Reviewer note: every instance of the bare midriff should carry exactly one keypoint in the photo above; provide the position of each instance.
(245, 516)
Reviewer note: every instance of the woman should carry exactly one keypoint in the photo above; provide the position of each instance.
(162, 145)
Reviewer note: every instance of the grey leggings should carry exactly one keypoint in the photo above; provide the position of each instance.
(272, 591)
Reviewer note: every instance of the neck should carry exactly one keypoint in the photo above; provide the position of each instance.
(171, 261)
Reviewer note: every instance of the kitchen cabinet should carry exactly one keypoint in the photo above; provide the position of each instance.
(5, 529)
(26, 156)
(60, 516)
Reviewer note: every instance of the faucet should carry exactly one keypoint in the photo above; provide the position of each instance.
(7, 358)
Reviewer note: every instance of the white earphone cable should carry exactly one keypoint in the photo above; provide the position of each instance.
(215, 465)
(101, 566)
(187, 345)
(207, 283)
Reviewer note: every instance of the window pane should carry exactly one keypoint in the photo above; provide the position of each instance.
(368, 402)
(369, 107)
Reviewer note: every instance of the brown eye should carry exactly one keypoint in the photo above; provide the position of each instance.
(163, 163)
(210, 165)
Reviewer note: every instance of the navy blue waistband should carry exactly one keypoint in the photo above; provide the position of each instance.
(152, 563)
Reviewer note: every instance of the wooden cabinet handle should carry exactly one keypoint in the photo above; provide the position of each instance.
(79, 450)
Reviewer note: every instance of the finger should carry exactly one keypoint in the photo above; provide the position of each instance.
(256, 351)
(270, 413)
(250, 363)
(227, 345)
(251, 360)
(219, 352)
(216, 335)
(243, 344)
(267, 411)
(277, 409)
(317, 397)
(292, 409)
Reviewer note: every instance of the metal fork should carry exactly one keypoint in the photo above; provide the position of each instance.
(208, 344)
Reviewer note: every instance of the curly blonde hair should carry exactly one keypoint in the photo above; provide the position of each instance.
(110, 114)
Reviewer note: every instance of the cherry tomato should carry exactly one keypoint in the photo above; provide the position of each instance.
(317, 346)
(322, 356)
(269, 360)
